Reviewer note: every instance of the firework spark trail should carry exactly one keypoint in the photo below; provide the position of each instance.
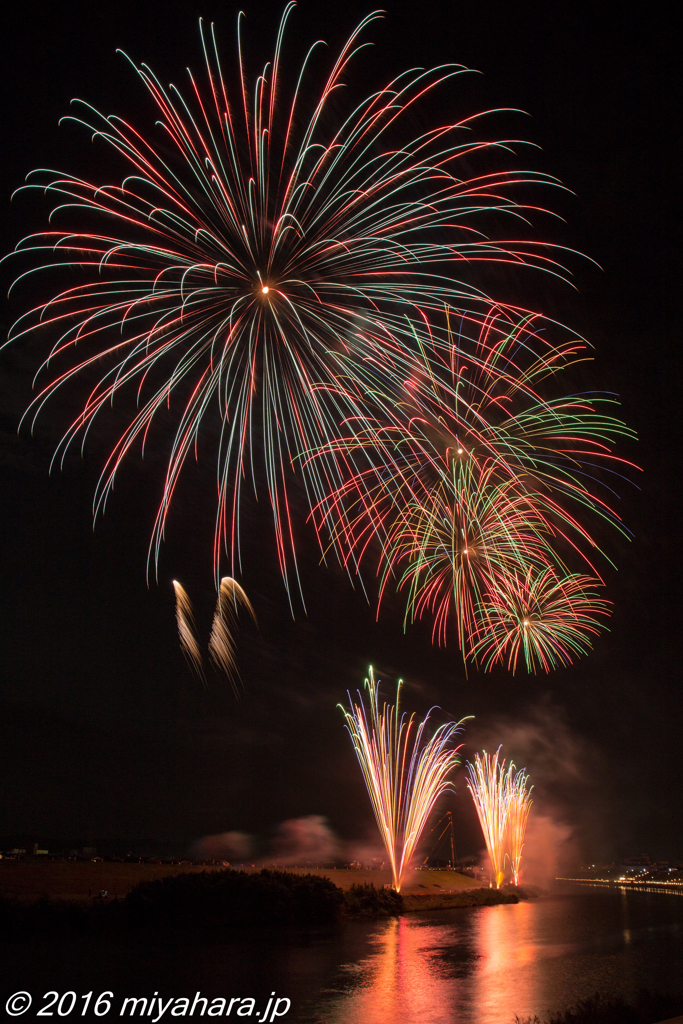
(405, 772)
(519, 805)
(257, 266)
(490, 789)
(223, 644)
(187, 629)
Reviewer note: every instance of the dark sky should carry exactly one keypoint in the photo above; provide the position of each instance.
(106, 737)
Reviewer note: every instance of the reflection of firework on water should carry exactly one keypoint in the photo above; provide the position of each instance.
(545, 617)
(404, 771)
(223, 640)
(187, 629)
(264, 271)
(519, 805)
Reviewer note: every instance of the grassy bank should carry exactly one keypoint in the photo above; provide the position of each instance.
(210, 902)
(216, 901)
(468, 898)
(414, 882)
(646, 1008)
(81, 880)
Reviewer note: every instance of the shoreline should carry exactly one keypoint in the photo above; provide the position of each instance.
(628, 885)
(481, 897)
(221, 899)
(83, 881)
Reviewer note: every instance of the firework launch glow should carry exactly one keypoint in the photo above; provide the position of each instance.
(303, 293)
(405, 772)
(503, 801)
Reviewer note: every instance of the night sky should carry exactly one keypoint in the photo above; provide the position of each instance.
(107, 738)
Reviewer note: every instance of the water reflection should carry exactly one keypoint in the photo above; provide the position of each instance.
(476, 966)
(483, 966)
(411, 975)
(426, 969)
(506, 976)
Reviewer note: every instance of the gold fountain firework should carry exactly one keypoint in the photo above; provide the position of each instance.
(519, 805)
(503, 801)
(487, 784)
(404, 771)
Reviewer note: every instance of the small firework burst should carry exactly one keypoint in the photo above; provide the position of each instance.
(223, 640)
(187, 629)
(547, 618)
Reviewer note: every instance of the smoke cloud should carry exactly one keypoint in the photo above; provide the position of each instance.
(544, 741)
(549, 850)
(224, 846)
(368, 854)
(571, 811)
(305, 841)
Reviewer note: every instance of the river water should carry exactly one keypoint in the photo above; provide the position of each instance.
(474, 966)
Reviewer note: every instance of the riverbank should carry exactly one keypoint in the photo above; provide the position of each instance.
(474, 966)
(85, 880)
(220, 900)
(469, 898)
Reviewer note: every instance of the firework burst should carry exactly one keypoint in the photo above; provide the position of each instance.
(405, 772)
(449, 548)
(488, 394)
(475, 481)
(547, 619)
(260, 271)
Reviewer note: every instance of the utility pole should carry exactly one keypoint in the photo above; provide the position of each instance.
(450, 821)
